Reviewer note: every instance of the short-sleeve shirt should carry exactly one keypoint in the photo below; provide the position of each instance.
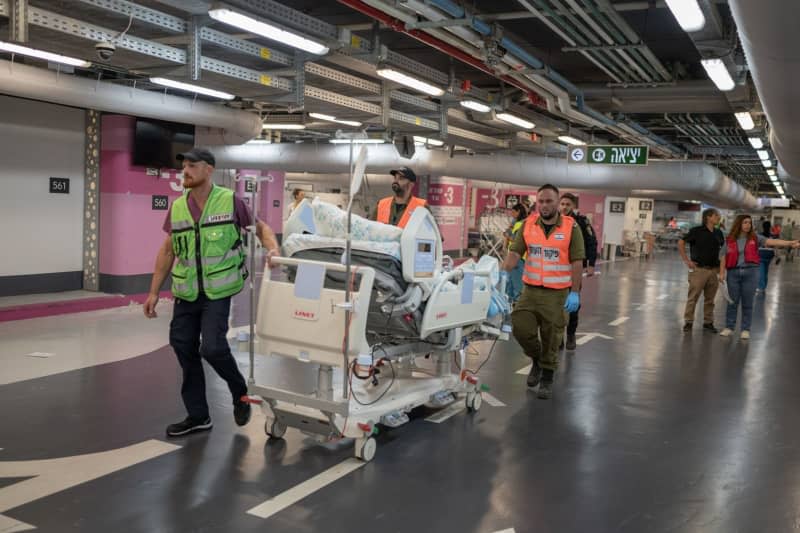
(740, 244)
(242, 215)
(705, 246)
(577, 251)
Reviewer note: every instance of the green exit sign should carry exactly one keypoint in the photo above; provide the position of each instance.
(609, 155)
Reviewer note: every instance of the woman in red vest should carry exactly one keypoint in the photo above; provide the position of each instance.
(740, 267)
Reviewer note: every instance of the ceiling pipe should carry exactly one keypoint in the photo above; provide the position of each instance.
(35, 83)
(768, 32)
(686, 179)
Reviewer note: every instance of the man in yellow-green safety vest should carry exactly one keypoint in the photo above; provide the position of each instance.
(204, 252)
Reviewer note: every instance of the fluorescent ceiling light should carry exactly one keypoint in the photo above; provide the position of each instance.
(259, 141)
(408, 81)
(771, 172)
(762, 154)
(192, 88)
(756, 143)
(571, 140)
(718, 72)
(517, 121)
(331, 118)
(745, 120)
(357, 141)
(688, 14)
(475, 106)
(267, 30)
(283, 126)
(783, 197)
(767, 163)
(41, 54)
(425, 140)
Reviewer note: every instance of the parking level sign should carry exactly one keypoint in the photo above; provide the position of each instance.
(610, 155)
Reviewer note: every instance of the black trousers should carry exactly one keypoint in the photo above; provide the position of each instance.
(572, 325)
(205, 320)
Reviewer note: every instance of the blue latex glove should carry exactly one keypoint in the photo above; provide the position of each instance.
(573, 302)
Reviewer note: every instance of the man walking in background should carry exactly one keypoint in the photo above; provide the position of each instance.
(569, 202)
(706, 242)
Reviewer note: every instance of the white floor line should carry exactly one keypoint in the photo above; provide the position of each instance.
(447, 412)
(304, 489)
(618, 322)
(492, 400)
(525, 371)
(9, 525)
(509, 530)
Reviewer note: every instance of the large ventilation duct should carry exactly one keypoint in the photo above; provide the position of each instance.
(234, 126)
(681, 179)
(768, 31)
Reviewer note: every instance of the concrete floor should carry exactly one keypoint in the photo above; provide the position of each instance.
(650, 429)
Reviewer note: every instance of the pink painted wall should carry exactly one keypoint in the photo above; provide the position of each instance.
(271, 192)
(593, 207)
(130, 231)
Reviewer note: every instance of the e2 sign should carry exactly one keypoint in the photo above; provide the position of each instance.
(59, 185)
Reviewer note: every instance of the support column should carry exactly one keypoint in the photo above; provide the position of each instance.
(91, 203)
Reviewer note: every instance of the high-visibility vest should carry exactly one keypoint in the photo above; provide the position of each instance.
(385, 210)
(209, 250)
(548, 263)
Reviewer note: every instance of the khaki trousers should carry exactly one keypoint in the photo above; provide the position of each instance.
(538, 322)
(702, 281)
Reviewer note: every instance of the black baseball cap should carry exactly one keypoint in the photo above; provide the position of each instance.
(406, 172)
(198, 154)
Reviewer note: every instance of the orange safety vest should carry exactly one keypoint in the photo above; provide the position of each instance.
(385, 210)
(548, 263)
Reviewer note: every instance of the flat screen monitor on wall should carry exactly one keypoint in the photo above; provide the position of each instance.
(157, 143)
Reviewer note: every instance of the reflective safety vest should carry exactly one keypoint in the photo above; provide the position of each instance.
(385, 210)
(750, 253)
(209, 254)
(548, 264)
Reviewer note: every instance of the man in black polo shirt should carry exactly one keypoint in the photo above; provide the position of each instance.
(706, 242)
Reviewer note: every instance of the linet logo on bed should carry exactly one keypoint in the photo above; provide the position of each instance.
(441, 315)
(305, 315)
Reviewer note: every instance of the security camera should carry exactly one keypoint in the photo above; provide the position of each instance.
(105, 50)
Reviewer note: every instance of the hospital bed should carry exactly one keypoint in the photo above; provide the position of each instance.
(387, 338)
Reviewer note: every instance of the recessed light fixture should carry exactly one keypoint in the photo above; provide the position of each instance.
(756, 142)
(688, 13)
(516, 121)
(189, 87)
(409, 81)
(330, 118)
(762, 154)
(283, 126)
(265, 29)
(745, 120)
(41, 54)
(767, 163)
(718, 72)
(571, 140)
(425, 140)
(475, 106)
(771, 172)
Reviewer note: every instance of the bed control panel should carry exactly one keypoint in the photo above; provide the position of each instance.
(421, 247)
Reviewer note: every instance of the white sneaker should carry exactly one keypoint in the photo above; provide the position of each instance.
(726, 332)
(745, 335)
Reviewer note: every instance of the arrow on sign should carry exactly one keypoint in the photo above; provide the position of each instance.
(586, 337)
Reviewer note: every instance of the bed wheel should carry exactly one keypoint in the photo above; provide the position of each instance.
(366, 448)
(274, 429)
(474, 401)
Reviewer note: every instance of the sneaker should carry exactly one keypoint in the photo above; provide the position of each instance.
(687, 326)
(188, 425)
(726, 332)
(710, 327)
(545, 391)
(571, 343)
(535, 374)
(241, 412)
(745, 335)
